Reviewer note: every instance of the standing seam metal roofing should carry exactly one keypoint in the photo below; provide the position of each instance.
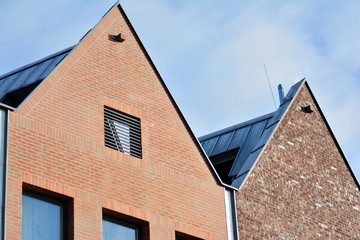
(249, 137)
(28, 76)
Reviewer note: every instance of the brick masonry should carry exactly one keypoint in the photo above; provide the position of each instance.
(56, 143)
(301, 187)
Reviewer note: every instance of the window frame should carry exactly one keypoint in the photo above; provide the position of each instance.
(67, 203)
(138, 228)
(61, 204)
(142, 225)
(183, 236)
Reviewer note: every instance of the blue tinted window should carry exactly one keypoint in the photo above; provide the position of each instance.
(41, 219)
(113, 230)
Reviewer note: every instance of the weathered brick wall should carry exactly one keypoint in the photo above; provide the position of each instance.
(301, 187)
(56, 142)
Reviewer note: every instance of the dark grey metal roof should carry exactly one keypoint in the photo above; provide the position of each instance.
(249, 138)
(233, 137)
(16, 85)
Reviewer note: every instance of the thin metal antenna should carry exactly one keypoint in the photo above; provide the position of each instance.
(272, 94)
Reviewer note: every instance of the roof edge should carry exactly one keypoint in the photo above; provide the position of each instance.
(68, 49)
(301, 84)
(333, 137)
(71, 50)
(2, 105)
(172, 100)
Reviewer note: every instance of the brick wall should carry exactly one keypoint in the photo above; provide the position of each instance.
(301, 187)
(56, 143)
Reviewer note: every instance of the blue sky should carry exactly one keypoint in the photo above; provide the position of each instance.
(211, 54)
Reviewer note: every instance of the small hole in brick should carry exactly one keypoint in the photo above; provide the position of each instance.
(307, 109)
(116, 38)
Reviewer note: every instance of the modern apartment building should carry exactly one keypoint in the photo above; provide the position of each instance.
(93, 146)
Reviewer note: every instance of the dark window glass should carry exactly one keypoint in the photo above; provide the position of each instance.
(114, 229)
(42, 218)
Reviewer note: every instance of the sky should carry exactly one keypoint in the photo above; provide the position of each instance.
(211, 54)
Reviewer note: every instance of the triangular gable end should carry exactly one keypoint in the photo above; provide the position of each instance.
(235, 150)
(305, 104)
(104, 43)
(301, 185)
(244, 165)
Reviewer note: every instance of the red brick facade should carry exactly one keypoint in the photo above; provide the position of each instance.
(56, 143)
(301, 187)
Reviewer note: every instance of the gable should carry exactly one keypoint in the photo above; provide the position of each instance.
(122, 57)
(102, 72)
(58, 135)
(235, 150)
(303, 173)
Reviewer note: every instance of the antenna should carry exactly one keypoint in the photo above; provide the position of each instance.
(272, 94)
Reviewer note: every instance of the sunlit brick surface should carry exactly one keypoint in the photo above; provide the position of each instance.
(56, 142)
(301, 187)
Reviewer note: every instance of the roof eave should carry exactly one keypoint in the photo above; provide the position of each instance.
(2, 105)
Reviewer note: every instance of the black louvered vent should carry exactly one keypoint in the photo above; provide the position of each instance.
(122, 132)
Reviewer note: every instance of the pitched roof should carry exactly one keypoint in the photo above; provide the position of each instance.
(247, 139)
(16, 85)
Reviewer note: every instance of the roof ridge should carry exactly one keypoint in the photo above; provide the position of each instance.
(68, 49)
(236, 126)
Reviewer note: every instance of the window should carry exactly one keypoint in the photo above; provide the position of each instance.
(122, 132)
(43, 218)
(117, 229)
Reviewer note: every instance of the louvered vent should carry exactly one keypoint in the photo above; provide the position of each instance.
(122, 132)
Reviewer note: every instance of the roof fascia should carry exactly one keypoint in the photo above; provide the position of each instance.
(333, 137)
(168, 93)
(272, 134)
(42, 82)
(7, 107)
